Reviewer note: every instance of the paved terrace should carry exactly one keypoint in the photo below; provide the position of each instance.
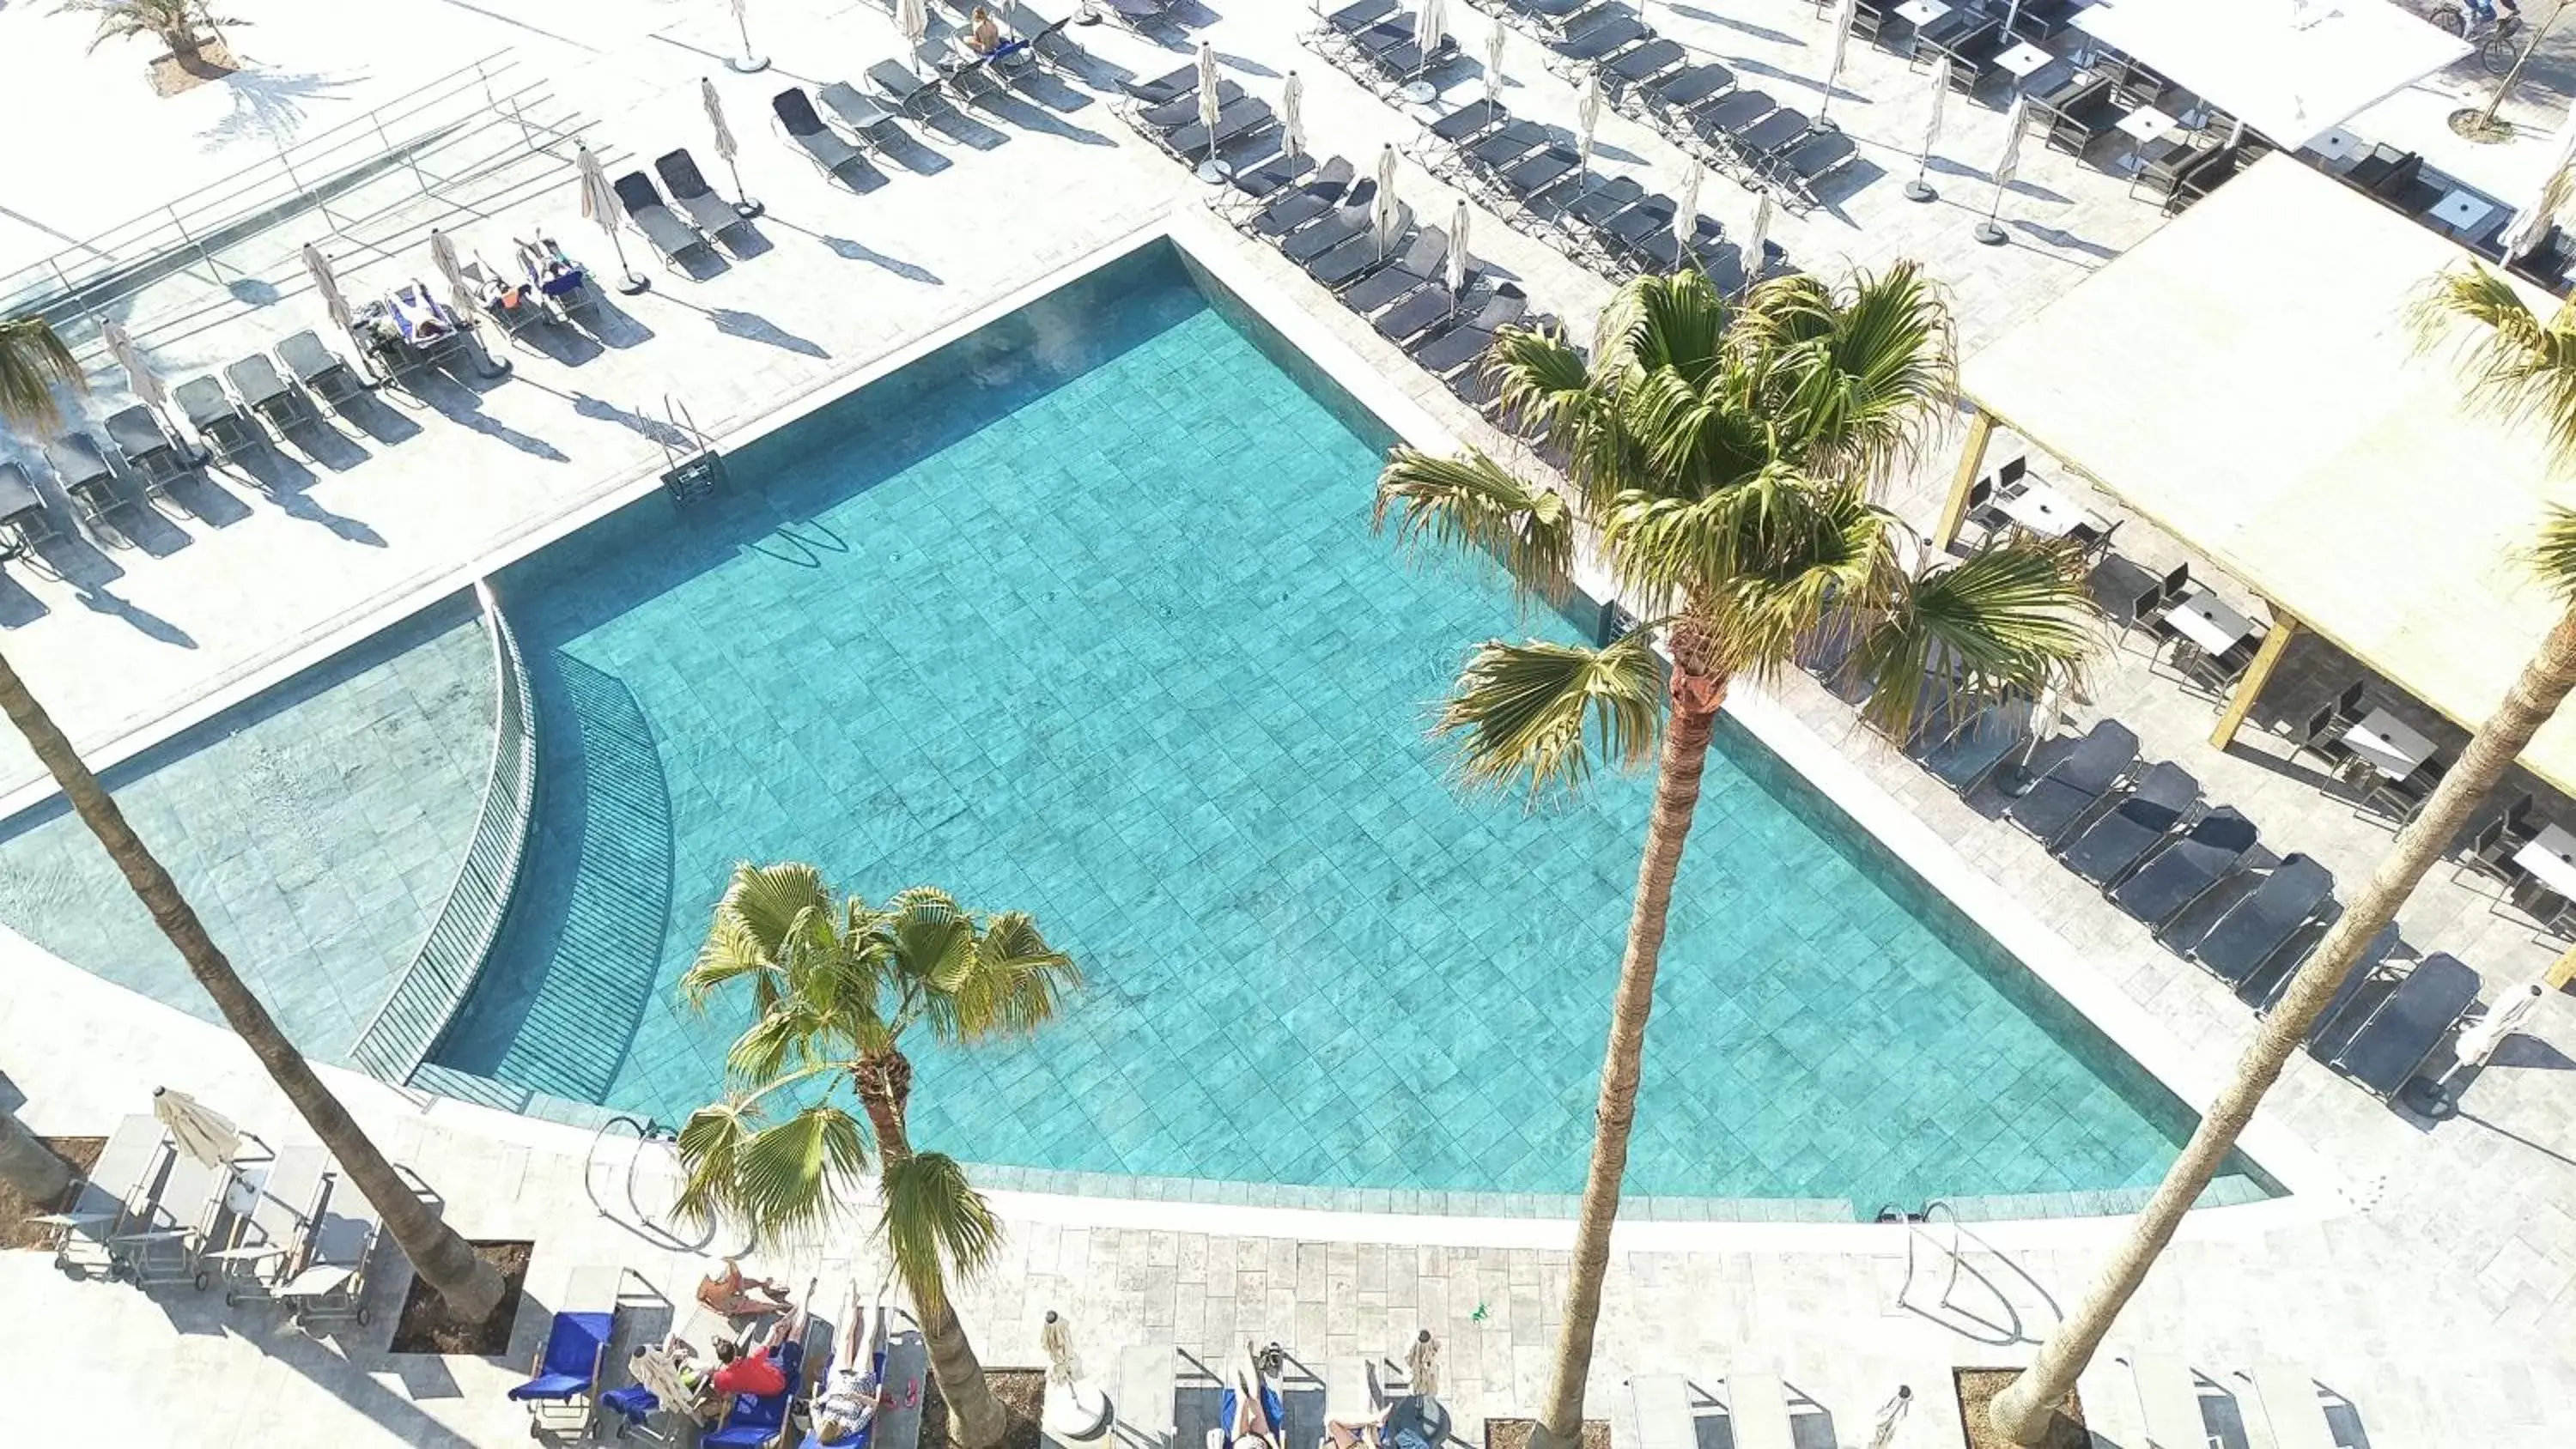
(2435, 1294)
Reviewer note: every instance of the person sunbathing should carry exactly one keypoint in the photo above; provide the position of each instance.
(848, 1396)
(731, 1295)
(983, 34)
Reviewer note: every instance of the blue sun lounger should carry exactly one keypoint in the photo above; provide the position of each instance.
(2066, 790)
(1968, 754)
(2252, 930)
(564, 1378)
(2188, 868)
(2397, 1038)
(2113, 845)
(752, 1421)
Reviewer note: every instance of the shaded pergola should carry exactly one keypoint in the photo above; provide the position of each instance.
(2249, 380)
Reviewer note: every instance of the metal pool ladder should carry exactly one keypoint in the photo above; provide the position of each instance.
(1918, 1230)
(692, 469)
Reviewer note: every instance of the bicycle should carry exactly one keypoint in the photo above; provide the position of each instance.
(2496, 42)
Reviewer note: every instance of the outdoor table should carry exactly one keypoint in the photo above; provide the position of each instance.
(2200, 617)
(2551, 859)
(2463, 209)
(2142, 125)
(2392, 747)
(2043, 510)
(2022, 59)
(1922, 12)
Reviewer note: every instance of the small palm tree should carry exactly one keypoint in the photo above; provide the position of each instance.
(178, 24)
(438, 1253)
(1722, 458)
(2524, 368)
(33, 362)
(834, 987)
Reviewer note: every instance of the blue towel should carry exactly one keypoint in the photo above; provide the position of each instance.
(1272, 1409)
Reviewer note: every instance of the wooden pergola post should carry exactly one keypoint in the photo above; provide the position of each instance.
(2257, 674)
(2563, 970)
(1972, 461)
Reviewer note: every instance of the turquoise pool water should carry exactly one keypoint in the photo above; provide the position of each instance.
(1083, 616)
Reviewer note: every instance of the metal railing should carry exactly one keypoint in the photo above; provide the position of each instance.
(442, 971)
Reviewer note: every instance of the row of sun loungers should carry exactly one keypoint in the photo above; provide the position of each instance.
(1534, 178)
(150, 1214)
(1372, 44)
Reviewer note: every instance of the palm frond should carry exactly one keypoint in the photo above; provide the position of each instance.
(34, 362)
(1539, 379)
(1538, 711)
(1854, 378)
(937, 1227)
(1014, 984)
(781, 1183)
(2519, 366)
(1811, 569)
(2008, 619)
(2554, 557)
(1476, 503)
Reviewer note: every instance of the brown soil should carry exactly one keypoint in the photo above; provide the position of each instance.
(1978, 1387)
(1515, 1433)
(1023, 1396)
(427, 1327)
(171, 75)
(15, 1231)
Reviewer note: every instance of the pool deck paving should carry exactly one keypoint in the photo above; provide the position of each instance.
(2429, 1279)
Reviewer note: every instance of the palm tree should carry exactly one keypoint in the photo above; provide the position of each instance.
(33, 362)
(2523, 368)
(834, 987)
(177, 24)
(1721, 458)
(442, 1258)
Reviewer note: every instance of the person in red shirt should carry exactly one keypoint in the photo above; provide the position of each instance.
(757, 1373)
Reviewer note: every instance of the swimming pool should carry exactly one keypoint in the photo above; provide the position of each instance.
(1082, 615)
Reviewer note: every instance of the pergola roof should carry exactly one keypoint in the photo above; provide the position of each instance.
(2249, 380)
(2291, 68)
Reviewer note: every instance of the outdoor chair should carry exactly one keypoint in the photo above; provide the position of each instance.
(2256, 927)
(2219, 672)
(2114, 844)
(1451, 350)
(2070, 788)
(710, 213)
(267, 1244)
(1972, 44)
(2396, 1038)
(88, 481)
(2546, 265)
(2189, 867)
(2403, 798)
(564, 1377)
(899, 87)
(2323, 738)
(2091, 112)
(147, 447)
(1414, 267)
(1360, 255)
(2037, 20)
(166, 1238)
(1287, 210)
(332, 1284)
(218, 419)
(108, 1195)
(322, 373)
(817, 142)
(2491, 851)
(257, 382)
(671, 237)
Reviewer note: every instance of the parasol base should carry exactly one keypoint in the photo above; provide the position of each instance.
(634, 282)
(1826, 123)
(1076, 1414)
(1989, 234)
(748, 208)
(2428, 1098)
(1420, 93)
(748, 64)
(1919, 190)
(1215, 173)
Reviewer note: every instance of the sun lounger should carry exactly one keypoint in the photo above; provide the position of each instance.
(1343, 25)
(1421, 260)
(707, 211)
(2114, 844)
(1348, 220)
(1583, 45)
(2344, 1015)
(321, 372)
(2264, 989)
(265, 390)
(1309, 200)
(2062, 795)
(266, 1245)
(1429, 306)
(2397, 1037)
(1663, 1412)
(669, 235)
(218, 419)
(1361, 254)
(867, 120)
(754, 1421)
(1169, 86)
(1278, 171)
(1757, 1411)
(1468, 122)
(2188, 868)
(113, 1192)
(148, 447)
(1686, 90)
(332, 1284)
(1183, 110)
(564, 1377)
(1136, 14)
(166, 1240)
(2290, 1406)
(88, 481)
(1812, 160)
(1461, 345)
(2258, 926)
(900, 88)
(1963, 757)
(2168, 1400)
(1239, 118)
(561, 281)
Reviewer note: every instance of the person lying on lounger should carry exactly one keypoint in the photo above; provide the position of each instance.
(848, 1397)
(1368, 1433)
(730, 1294)
(1252, 1411)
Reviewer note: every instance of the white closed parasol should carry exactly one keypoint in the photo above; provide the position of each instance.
(139, 376)
(2478, 1044)
(1430, 30)
(1211, 170)
(599, 207)
(1920, 189)
(750, 60)
(1587, 118)
(2006, 165)
(912, 19)
(2549, 195)
(1494, 56)
(1686, 215)
(726, 147)
(1459, 216)
(1834, 60)
(195, 1128)
(462, 294)
(1757, 242)
(1383, 213)
(326, 285)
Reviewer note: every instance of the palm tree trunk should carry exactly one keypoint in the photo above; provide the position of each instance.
(2021, 1412)
(976, 1419)
(29, 1167)
(441, 1257)
(1677, 783)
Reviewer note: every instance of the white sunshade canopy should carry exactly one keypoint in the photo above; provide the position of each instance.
(2248, 379)
(2290, 69)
